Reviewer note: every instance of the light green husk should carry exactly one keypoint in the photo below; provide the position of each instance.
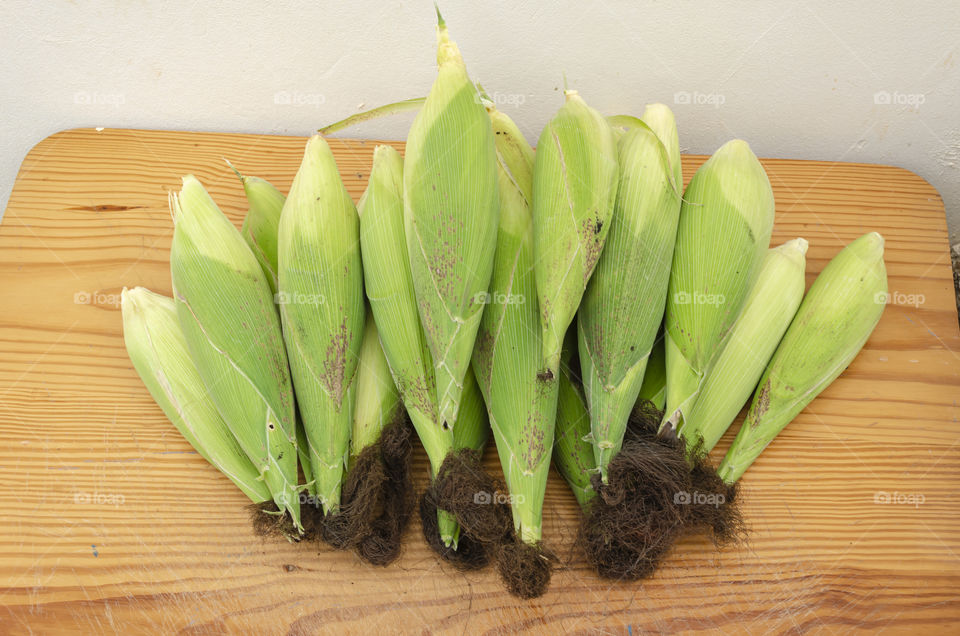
(522, 406)
(654, 387)
(260, 225)
(232, 329)
(572, 450)
(322, 307)
(260, 228)
(724, 231)
(389, 285)
(451, 216)
(659, 119)
(623, 123)
(303, 454)
(834, 321)
(574, 188)
(378, 404)
(623, 304)
(473, 426)
(745, 351)
(155, 344)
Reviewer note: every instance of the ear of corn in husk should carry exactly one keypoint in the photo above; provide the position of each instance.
(155, 344)
(389, 285)
(724, 231)
(521, 404)
(229, 321)
(378, 403)
(623, 304)
(834, 321)
(260, 225)
(378, 495)
(748, 346)
(450, 213)
(260, 228)
(574, 188)
(322, 307)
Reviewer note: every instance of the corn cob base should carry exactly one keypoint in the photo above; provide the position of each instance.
(658, 490)
(486, 524)
(467, 554)
(524, 568)
(376, 503)
(464, 489)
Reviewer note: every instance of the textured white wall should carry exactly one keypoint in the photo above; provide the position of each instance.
(800, 79)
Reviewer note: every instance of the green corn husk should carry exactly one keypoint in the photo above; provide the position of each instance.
(378, 403)
(834, 321)
(303, 454)
(260, 225)
(390, 289)
(322, 308)
(156, 346)
(232, 329)
(745, 351)
(660, 120)
(623, 123)
(724, 231)
(572, 450)
(623, 304)
(451, 216)
(574, 188)
(392, 297)
(654, 388)
(473, 426)
(260, 229)
(521, 404)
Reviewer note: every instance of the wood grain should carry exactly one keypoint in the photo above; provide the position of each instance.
(112, 523)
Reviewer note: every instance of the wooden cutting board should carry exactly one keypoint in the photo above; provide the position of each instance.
(111, 523)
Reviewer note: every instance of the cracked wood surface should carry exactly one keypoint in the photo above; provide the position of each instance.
(111, 523)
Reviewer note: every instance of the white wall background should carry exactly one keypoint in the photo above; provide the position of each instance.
(796, 79)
